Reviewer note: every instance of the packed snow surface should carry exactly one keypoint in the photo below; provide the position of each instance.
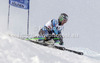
(13, 50)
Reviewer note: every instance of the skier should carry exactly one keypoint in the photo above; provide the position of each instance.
(54, 27)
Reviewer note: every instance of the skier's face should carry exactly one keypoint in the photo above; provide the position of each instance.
(64, 21)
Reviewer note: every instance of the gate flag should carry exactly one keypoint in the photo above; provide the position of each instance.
(24, 4)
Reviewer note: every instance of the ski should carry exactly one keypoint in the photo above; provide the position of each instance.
(58, 47)
(63, 48)
(44, 44)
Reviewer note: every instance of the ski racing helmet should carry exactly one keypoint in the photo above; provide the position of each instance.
(62, 17)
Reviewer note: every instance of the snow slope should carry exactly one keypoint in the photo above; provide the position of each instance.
(13, 50)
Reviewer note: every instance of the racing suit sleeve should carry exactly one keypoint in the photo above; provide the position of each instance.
(54, 23)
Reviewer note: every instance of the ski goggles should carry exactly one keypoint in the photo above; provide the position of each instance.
(62, 17)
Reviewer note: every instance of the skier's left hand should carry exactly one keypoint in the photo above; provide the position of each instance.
(61, 43)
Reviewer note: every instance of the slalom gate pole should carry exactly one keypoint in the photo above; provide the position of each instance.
(28, 21)
(8, 17)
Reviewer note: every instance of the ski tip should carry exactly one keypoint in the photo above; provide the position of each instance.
(79, 53)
